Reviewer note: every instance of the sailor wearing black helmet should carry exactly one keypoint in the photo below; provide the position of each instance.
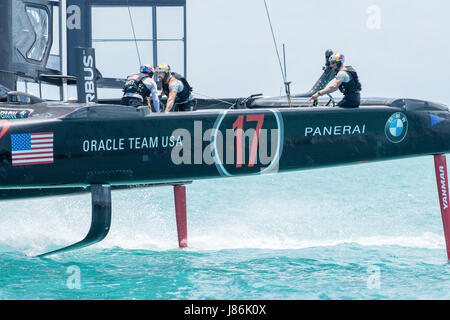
(139, 87)
(176, 88)
(346, 81)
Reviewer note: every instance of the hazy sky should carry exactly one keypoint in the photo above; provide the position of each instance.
(400, 48)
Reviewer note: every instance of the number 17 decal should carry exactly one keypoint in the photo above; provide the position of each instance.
(239, 125)
(4, 126)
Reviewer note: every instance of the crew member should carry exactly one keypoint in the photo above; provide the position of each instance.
(176, 88)
(346, 81)
(140, 87)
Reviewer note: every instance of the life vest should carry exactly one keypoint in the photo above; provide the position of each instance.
(135, 84)
(353, 86)
(181, 96)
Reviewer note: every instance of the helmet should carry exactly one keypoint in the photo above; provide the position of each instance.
(163, 67)
(146, 68)
(336, 58)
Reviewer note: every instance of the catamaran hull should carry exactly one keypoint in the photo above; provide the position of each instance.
(212, 144)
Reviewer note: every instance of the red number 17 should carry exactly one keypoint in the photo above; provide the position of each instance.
(239, 125)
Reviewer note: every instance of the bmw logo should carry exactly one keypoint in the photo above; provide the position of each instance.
(396, 127)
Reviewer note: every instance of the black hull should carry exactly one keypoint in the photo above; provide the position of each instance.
(165, 148)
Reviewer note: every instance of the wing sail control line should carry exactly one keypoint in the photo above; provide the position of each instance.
(101, 219)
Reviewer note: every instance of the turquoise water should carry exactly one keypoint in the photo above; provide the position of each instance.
(369, 231)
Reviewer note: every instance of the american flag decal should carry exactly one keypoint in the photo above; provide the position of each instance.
(31, 148)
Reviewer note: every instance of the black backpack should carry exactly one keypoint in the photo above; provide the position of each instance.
(134, 84)
(183, 80)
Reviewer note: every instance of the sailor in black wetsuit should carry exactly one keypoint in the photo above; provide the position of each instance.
(139, 87)
(176, 88)
(346, 81)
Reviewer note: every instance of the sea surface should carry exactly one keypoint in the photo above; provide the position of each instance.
(366, 231)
